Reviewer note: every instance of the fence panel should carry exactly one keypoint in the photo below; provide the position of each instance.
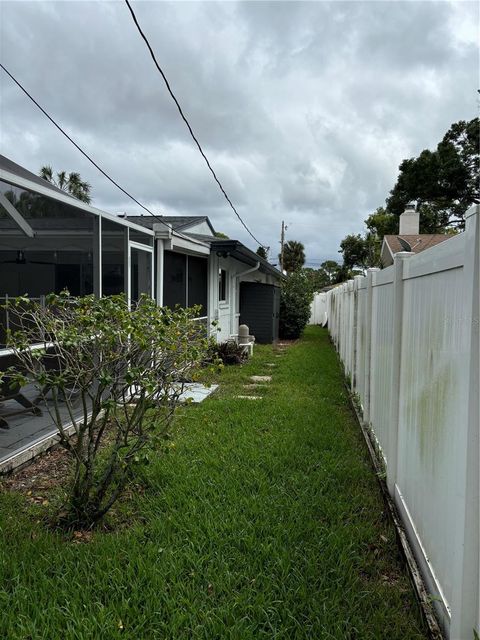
(360, 346)
(408, 337)
(318, 309)
(381, 357)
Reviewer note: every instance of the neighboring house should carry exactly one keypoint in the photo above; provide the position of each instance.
(50, 241)
(409, 238)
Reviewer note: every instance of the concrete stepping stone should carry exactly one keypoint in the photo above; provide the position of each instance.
(261, 378)
(255, 385)
(270, 364)
(194, 392)
(248, 397)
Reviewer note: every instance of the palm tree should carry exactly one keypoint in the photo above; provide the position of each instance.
(71, 183)
(293, 256)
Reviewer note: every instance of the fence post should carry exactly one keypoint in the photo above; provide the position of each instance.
(368, 343)
(398, 262)
(350, 321)
(466, 584)
(356, 284)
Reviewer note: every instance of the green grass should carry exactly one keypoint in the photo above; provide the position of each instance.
(259, 519)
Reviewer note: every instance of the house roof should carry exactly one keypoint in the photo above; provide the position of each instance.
(414, 243)
(238, 251)
(179, 223)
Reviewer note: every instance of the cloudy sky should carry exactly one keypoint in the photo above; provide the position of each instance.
(305, 109)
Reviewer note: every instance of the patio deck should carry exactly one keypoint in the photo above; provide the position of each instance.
(28, 434)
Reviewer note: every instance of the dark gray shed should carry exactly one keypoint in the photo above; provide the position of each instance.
(260, 310)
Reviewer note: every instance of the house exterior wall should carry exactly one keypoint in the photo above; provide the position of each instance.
(227, 313)
(409, 340)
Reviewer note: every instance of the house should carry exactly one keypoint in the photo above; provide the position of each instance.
(409, 238)
(230, 281)
(50, 241)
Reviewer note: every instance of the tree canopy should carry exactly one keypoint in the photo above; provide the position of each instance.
(71, 183)
(444, 183)
(262, 252)
(293, 256)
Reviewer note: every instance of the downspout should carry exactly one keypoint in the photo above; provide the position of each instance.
(237, 293)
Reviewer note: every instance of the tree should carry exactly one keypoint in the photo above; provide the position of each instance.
(444, 182)
(324, 276)
(293, 256)
(262, 252)
(116, 372)
(222, 236)
(355, 251)
(382, 223)
(317, 278)
(331, 269)
(71, 183)
(295, 300)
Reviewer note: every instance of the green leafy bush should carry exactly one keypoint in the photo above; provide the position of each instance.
(105, 365)
(296, 297)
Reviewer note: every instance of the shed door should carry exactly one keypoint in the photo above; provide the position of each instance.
(259, 310)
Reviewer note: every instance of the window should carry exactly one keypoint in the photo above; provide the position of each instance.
(222, 285)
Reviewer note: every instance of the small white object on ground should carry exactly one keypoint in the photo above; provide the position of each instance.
(195, 392)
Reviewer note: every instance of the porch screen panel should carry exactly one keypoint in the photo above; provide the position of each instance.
(197, 283)
(113, 258)
(174, 279)
(141, 274)
(59, 257)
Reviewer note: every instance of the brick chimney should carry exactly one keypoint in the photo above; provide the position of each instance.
(409, 221)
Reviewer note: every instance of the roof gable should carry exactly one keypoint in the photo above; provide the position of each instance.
(393, 244)
(178, 223)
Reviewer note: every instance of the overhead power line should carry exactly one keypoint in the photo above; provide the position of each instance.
(152, 54)
(84, 153)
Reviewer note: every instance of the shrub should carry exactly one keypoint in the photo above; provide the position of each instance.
(296, 297)
(229, 352)
(106, 366)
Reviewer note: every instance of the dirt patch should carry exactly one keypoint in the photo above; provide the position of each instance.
(45, 473)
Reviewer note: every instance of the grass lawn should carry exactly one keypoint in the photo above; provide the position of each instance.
(259, 519)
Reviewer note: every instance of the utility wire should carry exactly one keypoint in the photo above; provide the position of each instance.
(152, 54)
(129, 195)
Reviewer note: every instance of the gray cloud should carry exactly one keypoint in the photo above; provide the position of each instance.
(305, 109)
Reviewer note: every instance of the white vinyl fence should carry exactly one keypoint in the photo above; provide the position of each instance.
(408, 337)
(318, 309)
